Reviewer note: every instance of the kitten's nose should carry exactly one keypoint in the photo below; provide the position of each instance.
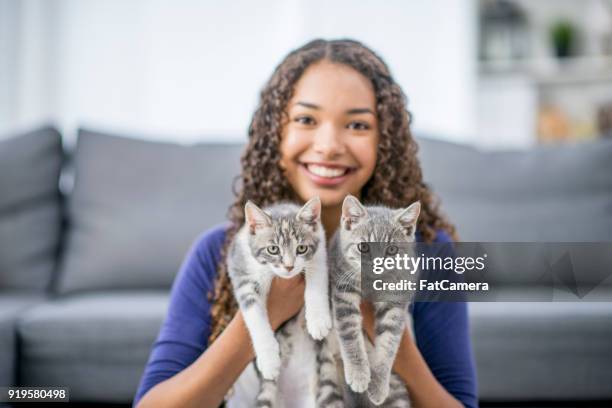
(289, 268)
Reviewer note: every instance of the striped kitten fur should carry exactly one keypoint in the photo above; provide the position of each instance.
(283, 240)
(327, 381)
(368, 369)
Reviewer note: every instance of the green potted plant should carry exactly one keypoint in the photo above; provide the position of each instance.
(563, 36)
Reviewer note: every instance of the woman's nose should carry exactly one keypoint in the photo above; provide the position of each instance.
(328, 142)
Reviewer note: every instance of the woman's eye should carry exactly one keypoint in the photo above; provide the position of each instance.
(304, 120)
(273, 250)
(301, 249)
(359, 126)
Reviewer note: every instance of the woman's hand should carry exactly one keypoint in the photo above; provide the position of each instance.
(285, 299)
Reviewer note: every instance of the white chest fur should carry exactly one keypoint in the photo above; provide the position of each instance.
(297, 379)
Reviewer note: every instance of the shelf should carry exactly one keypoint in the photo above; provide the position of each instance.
(552, 72)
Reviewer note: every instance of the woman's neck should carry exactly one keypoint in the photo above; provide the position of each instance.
(330, 218)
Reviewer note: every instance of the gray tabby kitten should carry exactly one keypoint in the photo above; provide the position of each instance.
(329, 390)
(362, 369)
(284, 240)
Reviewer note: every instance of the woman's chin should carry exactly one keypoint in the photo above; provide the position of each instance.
(331, 198)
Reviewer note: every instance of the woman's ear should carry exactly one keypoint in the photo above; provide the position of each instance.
(255, 217)
(408, 217)
(352, 212)
(310, 213)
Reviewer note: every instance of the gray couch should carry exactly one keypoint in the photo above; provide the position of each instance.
(85, 274)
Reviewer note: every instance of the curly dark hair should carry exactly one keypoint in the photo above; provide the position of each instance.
(397, 179)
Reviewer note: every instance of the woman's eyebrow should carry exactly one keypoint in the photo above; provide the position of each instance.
(354, 111)
(308, 105)
(357, 111)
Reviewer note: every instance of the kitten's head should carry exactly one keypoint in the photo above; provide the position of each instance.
(285, 237)
(360, 225)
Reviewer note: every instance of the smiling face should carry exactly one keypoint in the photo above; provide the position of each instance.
(328, 145)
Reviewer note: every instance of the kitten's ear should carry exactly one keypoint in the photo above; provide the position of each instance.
(352, 212)
(310, 213)
(255, 217)
(408, 217)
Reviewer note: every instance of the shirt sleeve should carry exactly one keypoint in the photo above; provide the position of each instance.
(183, 336)
(442, 335)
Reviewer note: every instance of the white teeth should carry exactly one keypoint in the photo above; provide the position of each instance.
(323, 171)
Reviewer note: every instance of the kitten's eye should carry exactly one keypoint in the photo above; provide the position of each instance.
(363, 247)
(359, 126)
(301, 249)
(273, 250)
(391, 250)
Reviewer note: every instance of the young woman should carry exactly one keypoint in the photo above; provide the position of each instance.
(331, 121)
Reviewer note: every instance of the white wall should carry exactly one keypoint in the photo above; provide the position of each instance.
(188, 68)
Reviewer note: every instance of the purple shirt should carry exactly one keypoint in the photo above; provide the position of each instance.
(441, 328)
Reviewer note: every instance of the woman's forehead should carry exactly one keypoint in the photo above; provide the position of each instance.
(328, 86)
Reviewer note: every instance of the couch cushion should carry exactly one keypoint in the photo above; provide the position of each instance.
(136, 207)
(96, 344)
(30, 215)
(11, 305)
(555, 194)
(543, 351)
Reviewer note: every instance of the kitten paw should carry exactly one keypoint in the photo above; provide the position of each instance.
(318, 325)
(378, 389)
(358, 379)
(269, 363)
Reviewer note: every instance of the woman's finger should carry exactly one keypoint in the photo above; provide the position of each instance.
(367, 314)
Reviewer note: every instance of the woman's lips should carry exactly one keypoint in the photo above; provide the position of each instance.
(326, 175)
